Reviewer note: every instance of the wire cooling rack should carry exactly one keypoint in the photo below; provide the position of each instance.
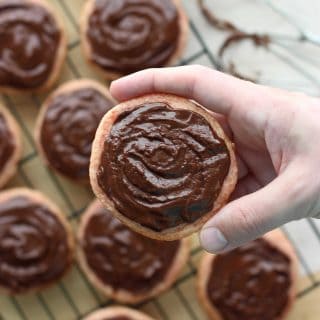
(74, 297)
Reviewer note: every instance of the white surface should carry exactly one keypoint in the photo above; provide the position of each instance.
(256, 16)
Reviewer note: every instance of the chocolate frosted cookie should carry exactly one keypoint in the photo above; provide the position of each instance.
(36, 243)
(123, 36)
(67, 124)
(10, 146)
(125, 265)
(32, 46)
(256, 281)
(162, 165)
(117, 313)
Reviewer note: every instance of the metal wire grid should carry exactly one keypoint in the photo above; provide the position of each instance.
(45, 311)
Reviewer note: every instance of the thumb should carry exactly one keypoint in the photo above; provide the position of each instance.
(284, 199)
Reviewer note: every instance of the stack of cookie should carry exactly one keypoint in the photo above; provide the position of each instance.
(160, 166)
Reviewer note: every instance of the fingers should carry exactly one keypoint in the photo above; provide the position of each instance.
(245, 185)
(252, 215)
(214, 90)
(258, 163)
(243, 170)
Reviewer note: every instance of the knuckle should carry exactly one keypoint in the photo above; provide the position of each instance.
(298, 95)
(247, 219)
(199, 68)
(151, 70)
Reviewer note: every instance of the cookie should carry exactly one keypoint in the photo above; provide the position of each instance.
(121, 37)
(125, 265)
(66, 126)
(255, 281)
(32, 47)
(36, 243)
(117, 313)
(162, 165)
(10, 146)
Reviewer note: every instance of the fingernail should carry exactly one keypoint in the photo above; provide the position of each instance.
(213, 240)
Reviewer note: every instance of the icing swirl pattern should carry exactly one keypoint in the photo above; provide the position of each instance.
(130, 35)
(29, 42)
(251, 282)
(124, 259)
(162, 167)
(68, 129)
(33, 245)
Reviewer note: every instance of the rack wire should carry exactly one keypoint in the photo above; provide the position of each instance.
(74, 297)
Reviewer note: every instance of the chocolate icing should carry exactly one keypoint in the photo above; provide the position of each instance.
(30, 38)
(7, 143)
(259, 40)
(215, 21)
(236, 36)
(251, 282)
(163, 167)
(123, 259)
(130, 35)
(33, 245)
(68, 129)
(119, 318)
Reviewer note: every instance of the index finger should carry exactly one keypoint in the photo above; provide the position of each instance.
(213, 89)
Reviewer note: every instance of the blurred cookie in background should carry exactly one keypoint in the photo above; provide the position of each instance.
(33, 45)
(36, 242)
(124, 265)
(10, 146)
(67, 124)
(123, 36)
(255, 281)
(117, 313)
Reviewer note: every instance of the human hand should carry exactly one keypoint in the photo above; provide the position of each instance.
(276, 135)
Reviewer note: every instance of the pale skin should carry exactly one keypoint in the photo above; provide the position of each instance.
(276, 135)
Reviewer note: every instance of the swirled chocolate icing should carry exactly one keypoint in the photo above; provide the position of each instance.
(124, 259)
(68, 129)
(29, 41)
(130, 35)
(251, 282)
(162, 167)
(33, 245)
(7, 143)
